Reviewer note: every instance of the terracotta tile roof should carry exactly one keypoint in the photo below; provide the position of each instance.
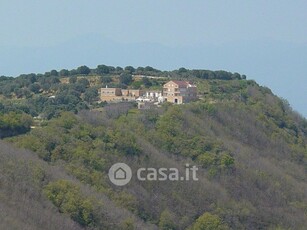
(182, 83)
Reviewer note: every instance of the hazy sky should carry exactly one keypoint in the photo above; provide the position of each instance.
(266, 40)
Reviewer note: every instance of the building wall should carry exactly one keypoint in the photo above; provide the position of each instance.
(117, 94)
(174, 99)
(191, 94)
(111, 91)
(153, 94)
(110, 94)
(132, 92)
(110, 98)
(136, 92)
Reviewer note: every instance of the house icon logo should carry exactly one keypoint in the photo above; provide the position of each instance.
(120, 174)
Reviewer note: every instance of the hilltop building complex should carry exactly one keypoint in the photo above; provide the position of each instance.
(177, 92)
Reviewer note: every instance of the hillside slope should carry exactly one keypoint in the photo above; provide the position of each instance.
(248, 144)
(22, 203)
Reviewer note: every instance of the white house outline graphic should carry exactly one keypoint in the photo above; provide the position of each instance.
(120, 174)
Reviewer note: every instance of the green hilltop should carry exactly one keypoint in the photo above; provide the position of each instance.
(59, 142)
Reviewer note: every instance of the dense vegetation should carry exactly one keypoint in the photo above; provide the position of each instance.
(249, 145)
(12, 123)
(49, 93)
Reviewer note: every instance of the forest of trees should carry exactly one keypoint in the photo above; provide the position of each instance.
(250, 147)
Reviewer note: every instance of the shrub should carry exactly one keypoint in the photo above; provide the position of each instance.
(68, 198)
(209, 221)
